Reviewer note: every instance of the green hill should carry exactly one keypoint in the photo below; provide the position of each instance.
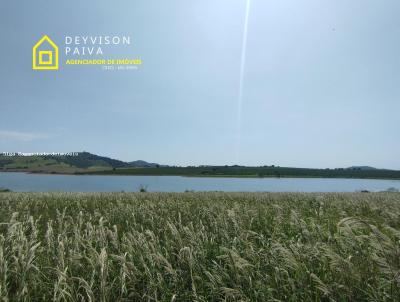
(84, 161)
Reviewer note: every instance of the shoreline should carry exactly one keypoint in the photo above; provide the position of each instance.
(200, 176)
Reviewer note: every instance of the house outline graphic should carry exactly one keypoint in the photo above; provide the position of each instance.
(52, 61)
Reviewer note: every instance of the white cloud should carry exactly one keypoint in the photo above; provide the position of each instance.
(21, 136)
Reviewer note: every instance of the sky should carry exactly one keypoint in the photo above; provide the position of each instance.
(320, 82)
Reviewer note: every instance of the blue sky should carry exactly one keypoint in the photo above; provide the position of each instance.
(321, 82)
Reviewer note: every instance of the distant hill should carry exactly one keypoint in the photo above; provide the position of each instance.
(87, 160)
(83, 162)
(142, 164)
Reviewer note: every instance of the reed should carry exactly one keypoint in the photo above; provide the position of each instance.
(199, 247)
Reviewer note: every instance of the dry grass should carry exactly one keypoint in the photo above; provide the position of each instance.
(200, 247)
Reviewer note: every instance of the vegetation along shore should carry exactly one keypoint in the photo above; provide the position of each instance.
(91, 164)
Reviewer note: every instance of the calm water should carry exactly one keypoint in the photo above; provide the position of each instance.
(21, 182)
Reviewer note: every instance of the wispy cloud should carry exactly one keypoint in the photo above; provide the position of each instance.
(21, 136)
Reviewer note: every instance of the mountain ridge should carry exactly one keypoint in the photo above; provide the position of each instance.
(66, 163)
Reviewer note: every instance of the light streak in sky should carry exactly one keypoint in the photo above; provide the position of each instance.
(241, 80)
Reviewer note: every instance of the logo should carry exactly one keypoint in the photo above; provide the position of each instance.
(100, 50)
(45, 54)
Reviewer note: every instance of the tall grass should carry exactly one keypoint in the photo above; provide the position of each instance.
(199, 247)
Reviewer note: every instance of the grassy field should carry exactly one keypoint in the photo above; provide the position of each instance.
(200, 247)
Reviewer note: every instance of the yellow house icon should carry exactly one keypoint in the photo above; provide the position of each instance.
(45, 54)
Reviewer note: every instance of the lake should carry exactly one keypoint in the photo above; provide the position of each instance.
(22, 182)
